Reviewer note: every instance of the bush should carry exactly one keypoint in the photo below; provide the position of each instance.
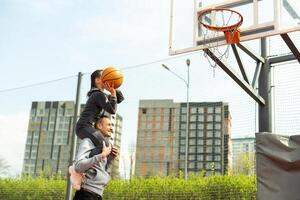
(197, 187)
(165, 188)
(29, 188)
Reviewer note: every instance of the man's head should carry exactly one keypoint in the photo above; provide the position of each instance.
(104, 125)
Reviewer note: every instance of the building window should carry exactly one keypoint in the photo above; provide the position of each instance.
(192, 149)
(33, 111)
(201, 126)
(199, 149)
(191, 165)
(193, 118)
(209, 149)
(210, 133)
(183, 126)
(218, 134)
(217, 142)
(218, 110)
(192, 157)
(41, 111)
(192, 133)
(192, 142)
(182, 141)
(200, 142)
(217, 158)
(217, 165)
(209, 126)
(210, 118)
(199, 165)
(193, 126)
(209, 158)
(200, 134)
(194, 110)
(201, 110)
(218, 126)
(217, 118)
(182, 149)
(217, 150)
(182, 157)
(209, 142)
(182, 133)
(210, 109)
(200, 118)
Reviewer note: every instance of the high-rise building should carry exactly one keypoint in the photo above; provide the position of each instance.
(161, 136)
(243, 154)
(49, 138)
(157, 138)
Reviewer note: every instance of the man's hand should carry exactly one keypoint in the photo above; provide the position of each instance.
(105, 150)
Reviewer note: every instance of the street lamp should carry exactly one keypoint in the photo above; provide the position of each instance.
(187, 83)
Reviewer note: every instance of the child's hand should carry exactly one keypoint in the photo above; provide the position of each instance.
(115, 151)
(109, 86)
(105, 150)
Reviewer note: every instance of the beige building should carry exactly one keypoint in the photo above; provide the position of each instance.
(161, 136)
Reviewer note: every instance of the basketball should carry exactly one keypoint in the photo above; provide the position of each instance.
(112, 75)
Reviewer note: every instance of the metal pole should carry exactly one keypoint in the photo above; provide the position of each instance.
(187, 82)
(264, 89)
(187, 120)
(74, 138)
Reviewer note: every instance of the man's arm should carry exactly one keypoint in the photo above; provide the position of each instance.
(83, 162)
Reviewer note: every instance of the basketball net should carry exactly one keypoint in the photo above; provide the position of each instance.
(216, 25)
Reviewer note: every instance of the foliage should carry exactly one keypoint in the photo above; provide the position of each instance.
(29, 188)
(197, 187)
(245, 164)
(165, 188)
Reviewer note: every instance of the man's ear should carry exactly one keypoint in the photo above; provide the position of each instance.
(98, 125)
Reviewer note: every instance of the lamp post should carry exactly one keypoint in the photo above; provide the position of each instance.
(187, 83)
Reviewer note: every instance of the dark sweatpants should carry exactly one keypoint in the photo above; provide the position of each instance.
(82, 194)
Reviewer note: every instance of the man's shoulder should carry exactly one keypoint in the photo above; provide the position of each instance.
(87, 142)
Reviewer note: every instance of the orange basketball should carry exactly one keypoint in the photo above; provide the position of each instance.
(112, 75)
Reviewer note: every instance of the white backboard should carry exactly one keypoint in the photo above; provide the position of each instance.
(261, 18)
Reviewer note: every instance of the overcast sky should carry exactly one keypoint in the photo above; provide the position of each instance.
(47, 40)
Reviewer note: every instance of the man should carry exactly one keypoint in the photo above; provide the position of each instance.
(94, 163)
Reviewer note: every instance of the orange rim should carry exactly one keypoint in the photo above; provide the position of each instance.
(220, 28)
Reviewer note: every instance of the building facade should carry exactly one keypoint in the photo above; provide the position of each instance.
(161, 136)
(49, 137)
(157, 138)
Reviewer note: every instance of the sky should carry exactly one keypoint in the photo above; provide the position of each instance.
(50, 39)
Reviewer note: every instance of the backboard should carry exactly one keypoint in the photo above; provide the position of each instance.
(261, 18)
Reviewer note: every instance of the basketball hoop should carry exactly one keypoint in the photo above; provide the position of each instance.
(214, 22)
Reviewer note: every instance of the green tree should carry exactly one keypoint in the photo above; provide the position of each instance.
(245, 164)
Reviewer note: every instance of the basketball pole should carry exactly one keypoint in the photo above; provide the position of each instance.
(74, 138)
(264, 89)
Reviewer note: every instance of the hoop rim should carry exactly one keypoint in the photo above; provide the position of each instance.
(220, 28)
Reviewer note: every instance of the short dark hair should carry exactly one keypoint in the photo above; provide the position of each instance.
(100, 118)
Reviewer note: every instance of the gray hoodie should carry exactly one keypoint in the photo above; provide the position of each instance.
(96, 177)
